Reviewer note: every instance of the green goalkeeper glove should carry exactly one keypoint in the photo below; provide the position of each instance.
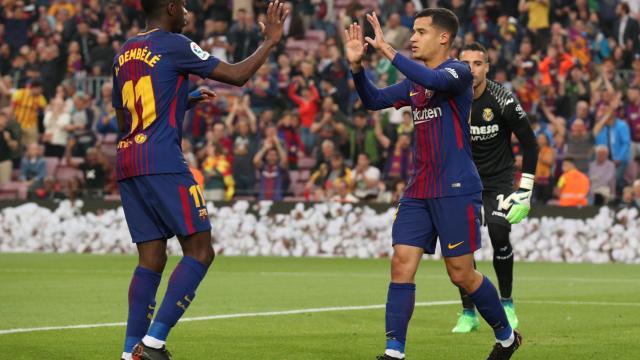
(519, 203)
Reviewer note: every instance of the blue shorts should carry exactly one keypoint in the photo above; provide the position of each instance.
(163, 205)
(455, 220)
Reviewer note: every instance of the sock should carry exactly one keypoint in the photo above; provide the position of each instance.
(489, 306)
(180, 293)
(502, 258)
(401, 300)
(142, 302)
(467, 304)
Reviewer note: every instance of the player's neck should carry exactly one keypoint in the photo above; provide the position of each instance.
(435, 62)
(479, 90)
(153, 24)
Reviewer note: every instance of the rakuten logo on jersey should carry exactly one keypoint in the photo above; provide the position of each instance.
(424, 115)
(481, 133)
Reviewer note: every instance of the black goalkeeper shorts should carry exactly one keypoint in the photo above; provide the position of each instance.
(490, 211)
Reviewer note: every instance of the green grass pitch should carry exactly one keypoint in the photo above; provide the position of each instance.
(566, 311)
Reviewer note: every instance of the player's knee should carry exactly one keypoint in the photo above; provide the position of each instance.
(500, 238)
(402, 270)
(461, 277)
(204, 255)
(156, 262)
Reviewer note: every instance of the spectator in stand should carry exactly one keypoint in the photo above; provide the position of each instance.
(102, 55)
(399, 158)
(362, 139)
(244, 36)
(95, 170)
(538, 14)
(307, 103)
(366, 180)
(245, 146)
(632, 117)
(627, 29)
(573, 186)
(27, 104)
(106, 122)
(396, 34)
(82, 116)
(56, 124)
(602, 175)
(271, 161)
(263, 88)
(342, 193)
(543, 188)
(218, 181)
(289, 131)
(627, 201)
(556, 65)
(33, 168)
(580, 145)
(8, 143)
(614, 133)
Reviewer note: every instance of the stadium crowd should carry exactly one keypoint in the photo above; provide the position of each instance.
(297, 130)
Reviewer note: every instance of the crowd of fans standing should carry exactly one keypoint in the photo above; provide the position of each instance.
(297, 130)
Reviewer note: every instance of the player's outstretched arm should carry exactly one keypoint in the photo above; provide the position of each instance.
(372, 98)
(520, 201)
(238, 74)
(449, 79)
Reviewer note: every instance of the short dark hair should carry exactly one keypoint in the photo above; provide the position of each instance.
(569, 159)
(625, 7)
(444, 19)
(150, 7)
(476, 46)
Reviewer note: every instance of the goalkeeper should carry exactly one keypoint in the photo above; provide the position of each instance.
(495, 115)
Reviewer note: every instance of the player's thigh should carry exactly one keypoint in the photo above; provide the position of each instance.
(457, 222)
(180, 203)
(142, 220)
(492, 214)
(412, 225)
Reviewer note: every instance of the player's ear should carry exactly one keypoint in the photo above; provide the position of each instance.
(444, 38)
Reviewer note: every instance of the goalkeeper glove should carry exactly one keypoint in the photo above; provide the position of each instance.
(519, 203)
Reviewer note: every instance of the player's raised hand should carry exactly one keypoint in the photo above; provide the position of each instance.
(378, 42)
(354, 45)
(274, 27)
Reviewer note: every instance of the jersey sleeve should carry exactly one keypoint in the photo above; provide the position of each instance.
(189, 58)
(454, 78)
(376, 99)
(116, 95)
(517, 120)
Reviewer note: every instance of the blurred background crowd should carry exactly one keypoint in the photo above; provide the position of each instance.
(297, 131)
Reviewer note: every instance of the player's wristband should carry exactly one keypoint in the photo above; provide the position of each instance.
(526, 181)
(196, 93)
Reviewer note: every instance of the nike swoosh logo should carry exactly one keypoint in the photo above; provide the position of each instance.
(453, 246)
(413, 93)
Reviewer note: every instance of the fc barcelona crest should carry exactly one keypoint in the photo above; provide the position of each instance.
(487, 114)
(428, 93)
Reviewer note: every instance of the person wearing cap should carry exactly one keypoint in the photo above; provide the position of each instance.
(27, 104)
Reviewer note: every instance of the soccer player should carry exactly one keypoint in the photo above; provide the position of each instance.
(443, 197)
(159, 195)
(495, 115)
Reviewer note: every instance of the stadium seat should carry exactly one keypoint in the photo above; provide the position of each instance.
(306, 163)
(65, 173)
(110, 138)
(14, 190)
(52, 164)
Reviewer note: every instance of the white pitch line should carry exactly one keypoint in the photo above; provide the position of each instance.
(228, 316)
(302, 311)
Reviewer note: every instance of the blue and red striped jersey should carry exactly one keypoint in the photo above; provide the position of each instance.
(440, 101)
(151, 83)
